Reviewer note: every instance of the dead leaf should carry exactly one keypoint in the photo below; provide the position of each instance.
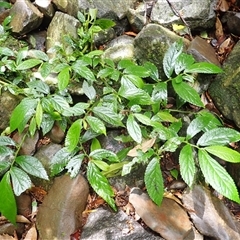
(171, 196)
(31, 234)
(144, 147)
(7, 237)
(223, 6)
(219, 29)
(22, 219)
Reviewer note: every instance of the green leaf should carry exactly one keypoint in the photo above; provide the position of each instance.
(225, 153)
(6, 51)
(32, 166)
(100, 154)
(187, 93)
(108, 115)
(183, 61)
(203, 67)
(105, 72)
(73, 135)
(166, 116)
(45, 69)
(143, 119)
(160, 92)
(20, 180)
(96, 125)
(136, 70)
(172, 144)
(77, 110)
(136, 80)
(95, 144)
(89, 90)
(219, 136)
(6, 141)
(59, 161)
(100, 184)
(134, 129)
(8, 206)
(22, 113)
(217, 176)
(101, 165)
(105, 23)
(74, 165)
(47, 123)
(39, 86)
(39, 114)
(32, 126)
(153, 70)
(38, 54)
(27, 64)
(63, 78)
(84, 72)
(187, 165)
(154, 181)
(170, 57)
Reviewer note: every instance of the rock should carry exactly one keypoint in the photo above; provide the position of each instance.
(37, 40)
(28, 146)
(56, 134)
(234, 171)
(107, 225)
(44, 154)
(152, 43)
(169, 219)
(225, 89)
(120, 48)
(60, 214)
(209, 215)
(202, 51)
(25, 17)
(61, 24)
(24, 204)
(198, 14)
(46, 7)
(103, 37)
(8, 102)
(233, 21)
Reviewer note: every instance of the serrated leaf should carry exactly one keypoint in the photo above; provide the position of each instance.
(39, 114)
(20, 180)
(96, 125)
(100, 154)
(187, 93)
(136, 80)
(171, 56)
(63, 78)
(187, 165)
(27, 64)
(84, 72)
(159, 92)
(154, 181)
(134, 129)
(172, 144)
(89, 90)
(45, 69)
(73, 135)
(39, 86)
(77, 110)
(203, 67)
(22, 113)
(105, 72)
(6, 141)
(47, 123)
(100, 184)
(8, 206)
(32, 166)
(143, 119)
(108, 115)
(153, 70)
(74, 165)
(38, 54)
(225, 153)
(137, 70)
(59, 161)
(217, 176)
(183, 61)
(219, 136)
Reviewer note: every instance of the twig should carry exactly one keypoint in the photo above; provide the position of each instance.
(176, 12)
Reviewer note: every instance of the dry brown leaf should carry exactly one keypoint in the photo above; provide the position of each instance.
(22, 219)
(144, 147)
(219, 29)
(31, 234)
(7, 237)
(171, 196)
(223, 6)
(224, 46)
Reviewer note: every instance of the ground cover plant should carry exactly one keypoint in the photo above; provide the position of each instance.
(123, 95)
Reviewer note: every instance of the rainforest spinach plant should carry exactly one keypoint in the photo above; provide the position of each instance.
(121, 95)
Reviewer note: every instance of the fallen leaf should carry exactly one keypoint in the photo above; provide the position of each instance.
(7, 237)
(31, 234)
(22, 219)
(223, 6)
(219, 29)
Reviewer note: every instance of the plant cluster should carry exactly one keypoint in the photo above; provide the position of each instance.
(120, 95)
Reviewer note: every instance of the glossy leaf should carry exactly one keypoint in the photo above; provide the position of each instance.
(159, 92)
(170, 57)
(219, 136)
(187, 93)
(203, 67)
(77, 110)
(100, 154)
(27, 64)
(153, 70)
(20, 180)
(38, 54)
(6, 51)
(73, 135)
(182, 62)
(100, 184)
(96, 125)
(217, 176)
(134, 129)
(187, 165)
(143, 119)
(6, 141)
(74, 165)
(32, 166)
(136, 80)
(225, 153)
(63, 78)
(89, 90)
(154, 181)
(137, 70)
(84, 72)
(8, 206)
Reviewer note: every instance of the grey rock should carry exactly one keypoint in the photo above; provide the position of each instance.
(61, 25)
(104, 37)
(225, 89)
(233, 21)
(152, 43)
(105, 225)
(8, 102)
(37, 40)
(46, 7)
(25, 17)
(198, 14)
(169, 219)
(60, 214)
(234, 170)
(209, 215)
